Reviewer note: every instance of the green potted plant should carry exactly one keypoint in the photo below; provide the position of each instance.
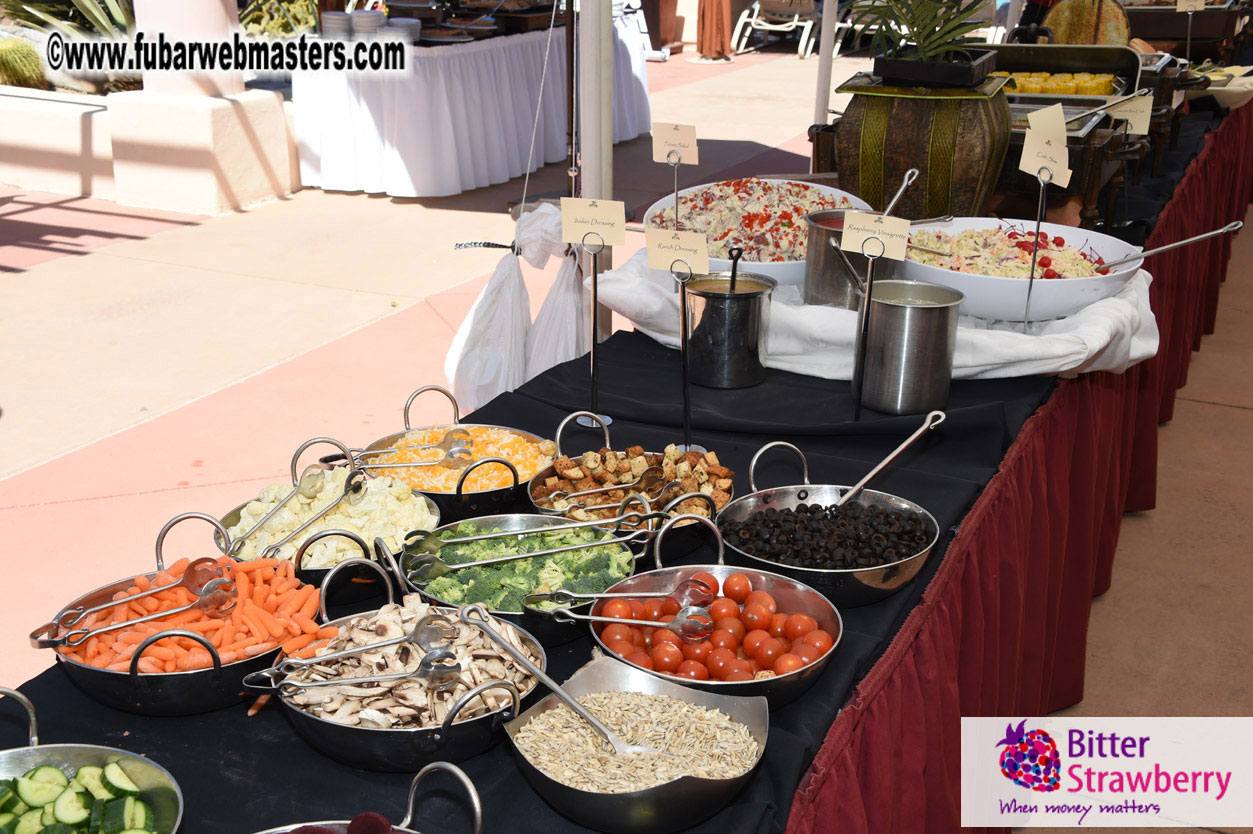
(925, 41)
(930, 104)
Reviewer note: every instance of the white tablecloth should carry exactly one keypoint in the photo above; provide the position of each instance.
(461, 120)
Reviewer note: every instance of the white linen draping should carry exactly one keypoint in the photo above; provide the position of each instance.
(1108, 335)
(461, 120)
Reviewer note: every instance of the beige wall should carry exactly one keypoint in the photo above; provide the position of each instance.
(57, 142)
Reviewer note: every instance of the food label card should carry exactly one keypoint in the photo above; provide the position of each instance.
(671, 137)
(665, 247)
(1137, 112)
(859, 227)
(1189, 5)
(1045, 145)
(606, 218)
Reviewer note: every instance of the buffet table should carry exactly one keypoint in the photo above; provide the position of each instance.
(461, 120)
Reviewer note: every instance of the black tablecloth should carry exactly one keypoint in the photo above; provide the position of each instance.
(242, 774)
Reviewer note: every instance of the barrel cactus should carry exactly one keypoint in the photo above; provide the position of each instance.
(20, 65)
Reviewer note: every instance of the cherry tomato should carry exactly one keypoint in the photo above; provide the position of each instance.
(1013, 236)
(622, 648)
(669, 606)
(734, 625)
(753, 639)
(615, 632)
(641, 659)
(667, 657)
(1050, 273)
(763, 599)
(722, 608)
(653, 609)
(798, 625)
(1058, 241)
(618, 609)
(805, 652)
(768, 651)
(737, 587)
(738, 676)
(778, 625)
(711, 581)
(755, 616)
(737, 667)
(787, 663)
(724, 640)
(697, 651)
(785, 643)
(1045, 260)
(637, 609)
(647, 633)
(665, 635)
(718, 661)
(638, 638)
(820, 640)
(693, 669)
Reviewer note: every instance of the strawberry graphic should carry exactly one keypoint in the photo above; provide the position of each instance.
(1030, 758)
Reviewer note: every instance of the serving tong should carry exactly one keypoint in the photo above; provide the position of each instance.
(476, 615)
(692, 624)
(430, 633)
(354, 490)
(689, 592)
(454, 438)
(423, 565)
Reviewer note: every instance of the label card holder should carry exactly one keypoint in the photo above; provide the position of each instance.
(669, 137)
(606, 218)
(665, 247)
(860, 227)
(1138, 112)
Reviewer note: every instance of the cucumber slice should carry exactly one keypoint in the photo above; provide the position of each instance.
(139, 815)
(30, 822)
(49, 774)
(38, 794)
(8, 821)
(113, 820)
(8, 797)
(92, 778)
(97, 814)
(58, 828)
(20, 808)
(117, 782)
(47, 816)
(71, 808)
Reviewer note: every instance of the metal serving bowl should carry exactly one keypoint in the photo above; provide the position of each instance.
(672, 806)
(547, 631)
(157, 787)
(364, 583)
(166, 693)
(341, 826)
(682, 542)
(793, 596)
(456, 505)
(408, 748)
(847, 588)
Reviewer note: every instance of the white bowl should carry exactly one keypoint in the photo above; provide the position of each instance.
(1005, 299)
(784, 272)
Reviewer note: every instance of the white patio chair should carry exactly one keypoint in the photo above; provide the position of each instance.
(778, 17)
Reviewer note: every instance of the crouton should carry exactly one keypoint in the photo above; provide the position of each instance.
(700, 474)
(591, 461)
(638, 465)
(720, 497)
(547, 448)
(580, 515)
(561, 504)
(693, 457)
(672, 452)
(723, 484)
(711, 458)
(635, 452)
(542, 491)
(585, 484)
(707, 488)
(719, 471)
(574, 474)
(603, 476)
(553, 482)
(683, 470)
(690, 484)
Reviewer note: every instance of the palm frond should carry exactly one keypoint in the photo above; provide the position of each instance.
(925, 29)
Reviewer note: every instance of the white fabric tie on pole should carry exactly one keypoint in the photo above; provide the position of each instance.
(1109, 335)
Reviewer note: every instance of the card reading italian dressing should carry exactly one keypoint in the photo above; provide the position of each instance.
(671, 137)
(1137, 112)
(606, 218)
(665, 247)
(860, 227)
(1045, 145)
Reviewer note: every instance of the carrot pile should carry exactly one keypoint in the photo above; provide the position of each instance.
(272, 609)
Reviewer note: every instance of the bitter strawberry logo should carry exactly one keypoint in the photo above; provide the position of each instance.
(1030, 758)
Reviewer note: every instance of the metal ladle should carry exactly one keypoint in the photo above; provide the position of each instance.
(910, 176)
(476, 615)
(932, 420)
(689, 592)
(691, 624)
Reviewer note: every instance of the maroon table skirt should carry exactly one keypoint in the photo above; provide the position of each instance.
(1002, 628)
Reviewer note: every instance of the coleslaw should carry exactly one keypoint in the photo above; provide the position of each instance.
(1005, 253)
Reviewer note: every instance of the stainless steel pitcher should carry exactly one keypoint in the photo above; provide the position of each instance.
(912, 333)
(727, 342)
(827, 279)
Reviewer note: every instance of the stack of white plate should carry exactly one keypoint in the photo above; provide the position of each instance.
(408, 28)
(336, 25)
(366, 23)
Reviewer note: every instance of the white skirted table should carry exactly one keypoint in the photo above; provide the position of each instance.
(461, 120)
